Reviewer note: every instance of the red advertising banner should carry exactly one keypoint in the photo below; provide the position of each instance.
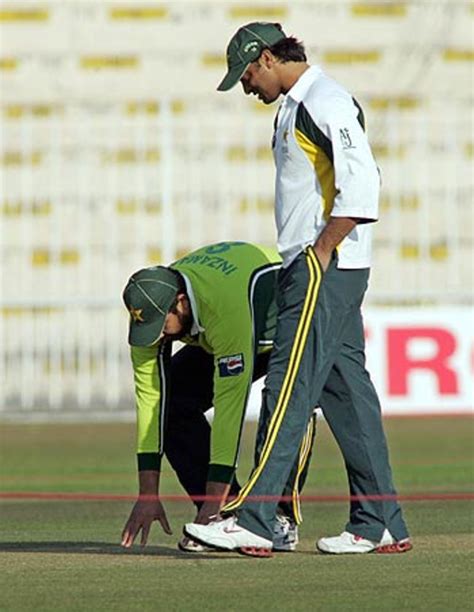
(421, 360)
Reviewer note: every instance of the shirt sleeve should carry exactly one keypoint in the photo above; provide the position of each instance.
(233, 348)
(149, 370)
(356, 176)
(357, 179)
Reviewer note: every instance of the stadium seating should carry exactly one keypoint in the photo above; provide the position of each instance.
(117, 152)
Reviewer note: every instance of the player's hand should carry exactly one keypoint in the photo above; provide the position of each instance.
(217, 493)
(324, 257)
(207, 513)
(144, 512)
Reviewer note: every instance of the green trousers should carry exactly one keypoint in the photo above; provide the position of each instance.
(318, 359)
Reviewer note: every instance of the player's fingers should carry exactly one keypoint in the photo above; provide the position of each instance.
(129, 535)
(126, 529)
(125, 535)
(164, 523)
(145, 532)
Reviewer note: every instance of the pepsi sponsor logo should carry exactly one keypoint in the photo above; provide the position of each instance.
(231, 365)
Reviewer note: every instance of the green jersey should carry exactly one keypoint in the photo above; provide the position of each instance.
(231, 290)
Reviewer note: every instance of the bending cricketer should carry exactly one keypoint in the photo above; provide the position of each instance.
(220, 302)
(326, 198)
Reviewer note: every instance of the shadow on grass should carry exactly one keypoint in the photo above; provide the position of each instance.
(106, 548)
(100, 548)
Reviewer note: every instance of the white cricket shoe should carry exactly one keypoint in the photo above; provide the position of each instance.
(285, 534)
(348, 543)
(226, 534)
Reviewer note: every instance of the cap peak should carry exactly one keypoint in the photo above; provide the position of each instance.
(246, 47)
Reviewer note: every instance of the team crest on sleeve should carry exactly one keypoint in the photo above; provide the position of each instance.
(231, 365)
(346, 139)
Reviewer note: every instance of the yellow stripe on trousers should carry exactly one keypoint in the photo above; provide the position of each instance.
(294, 362)
(304, 452)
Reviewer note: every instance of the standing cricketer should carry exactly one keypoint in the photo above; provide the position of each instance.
(220, 302)
(326, 199)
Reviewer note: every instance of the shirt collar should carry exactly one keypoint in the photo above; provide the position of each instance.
(299, 89)
(196, 327)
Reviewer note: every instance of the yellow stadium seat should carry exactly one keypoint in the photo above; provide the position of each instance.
(238, 153)
(213, 60)
(178, 107)
(379, 9)
(409, 250)
(259, 204)
(40, 111)
(42, 208)
(126, 207)
(14, 111)
(12, 208)
(17, 158)
(69, 257)
(439, 251)
(138, 13)
(40, 257)
(143, 107)
(153, 207)
(382, 103)
(152, 155)
(409, 201)
(154, 255)
(128, 155)
(15, 208)
(9, 63)
(458, 55)
(23, 14)
(109, 62)
(381, 150)
(352, 56)
(251, 12)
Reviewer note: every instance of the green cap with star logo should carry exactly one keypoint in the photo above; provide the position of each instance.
(246, 46)
(148, 296)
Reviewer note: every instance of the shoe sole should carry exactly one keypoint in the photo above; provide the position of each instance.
(345, 552)
(388, 549)
(249, 551)
(253, 551)
(398, 547)
(193, 551)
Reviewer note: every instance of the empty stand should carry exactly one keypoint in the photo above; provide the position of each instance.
(116, 152)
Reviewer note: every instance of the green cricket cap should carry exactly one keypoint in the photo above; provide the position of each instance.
(246, 46)
(148, 296)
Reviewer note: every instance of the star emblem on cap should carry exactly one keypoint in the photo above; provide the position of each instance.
(136, 314)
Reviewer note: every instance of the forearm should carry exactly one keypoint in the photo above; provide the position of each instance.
(150, 403)
(217, 492)
(333, 234)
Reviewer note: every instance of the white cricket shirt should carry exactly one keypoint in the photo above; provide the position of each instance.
(324, 167)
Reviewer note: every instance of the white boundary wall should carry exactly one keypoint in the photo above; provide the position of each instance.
(421, 362)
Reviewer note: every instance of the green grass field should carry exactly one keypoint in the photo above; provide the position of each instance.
(58, 555)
